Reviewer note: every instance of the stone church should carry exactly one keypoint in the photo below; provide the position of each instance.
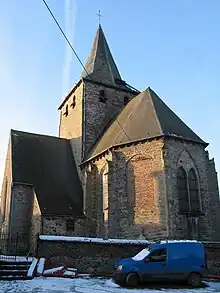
(124, 166)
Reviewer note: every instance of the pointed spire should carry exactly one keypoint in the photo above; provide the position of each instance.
(101, 65)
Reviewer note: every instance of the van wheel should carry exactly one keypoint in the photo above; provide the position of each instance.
(132, 280)
(194, 280)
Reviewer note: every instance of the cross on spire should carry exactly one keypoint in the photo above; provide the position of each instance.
(99, 15)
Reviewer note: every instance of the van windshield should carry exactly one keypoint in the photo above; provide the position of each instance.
(141, 255)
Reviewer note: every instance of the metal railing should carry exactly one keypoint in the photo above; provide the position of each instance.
(15, 245)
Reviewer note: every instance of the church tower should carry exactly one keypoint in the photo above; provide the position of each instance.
(94, 101)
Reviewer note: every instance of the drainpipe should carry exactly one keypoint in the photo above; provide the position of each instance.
(167, 199)
(10, 220)
(83, 123)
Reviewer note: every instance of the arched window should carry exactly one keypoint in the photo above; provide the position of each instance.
(182, 190)
(66, 112)
(194, 191)
(102, 97)
(126, 100)
(73, 102)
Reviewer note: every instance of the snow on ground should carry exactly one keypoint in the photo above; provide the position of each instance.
(40, 266)
(86, 285)
(32, 267)
(11, 258)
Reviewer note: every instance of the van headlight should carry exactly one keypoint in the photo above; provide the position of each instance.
(119, 268)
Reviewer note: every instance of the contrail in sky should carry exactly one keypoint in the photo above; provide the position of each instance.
(70, 20)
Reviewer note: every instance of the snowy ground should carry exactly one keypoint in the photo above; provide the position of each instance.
(83, 285)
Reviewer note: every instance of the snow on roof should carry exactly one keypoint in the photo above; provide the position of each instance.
(109, 241)
(141, 255)
(93, 240)
(177, 241)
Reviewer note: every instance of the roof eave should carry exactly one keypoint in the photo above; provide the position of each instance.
(73, 215)
(205, 144)
(70, 93)
(120, 145)
(129, 88)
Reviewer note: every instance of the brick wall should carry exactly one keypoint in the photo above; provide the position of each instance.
(96, 258)
(136, 192)
(139, 190)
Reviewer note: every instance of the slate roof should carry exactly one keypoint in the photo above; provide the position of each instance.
(47, 163)
(100, 65)
(145, 116)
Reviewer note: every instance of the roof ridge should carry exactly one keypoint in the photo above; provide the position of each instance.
(100, 60)
(96, 47)
(149, 90)
(145, 117)
(14, 131)
(171, 113)
(122, 126)
(109, 67)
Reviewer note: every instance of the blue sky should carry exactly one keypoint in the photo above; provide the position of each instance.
(171, 46)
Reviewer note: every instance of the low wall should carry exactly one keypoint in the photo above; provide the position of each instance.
(88, 255)
(213, 256)
(97, 256)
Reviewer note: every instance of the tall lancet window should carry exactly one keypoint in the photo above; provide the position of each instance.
(73, 104)
(182, 190)
(195, 206)
(67, 111)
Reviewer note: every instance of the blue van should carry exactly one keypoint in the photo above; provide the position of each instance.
(164, 261)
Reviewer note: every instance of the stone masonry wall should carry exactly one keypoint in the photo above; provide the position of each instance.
(214, 200)
(6, 193)
(89, 258)
(136, 192)
(99, 114)
(90, 199)
(188, 155)
(87, 119)
(56, 225)
(21, 215)
(36, 224)
(99, 259)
